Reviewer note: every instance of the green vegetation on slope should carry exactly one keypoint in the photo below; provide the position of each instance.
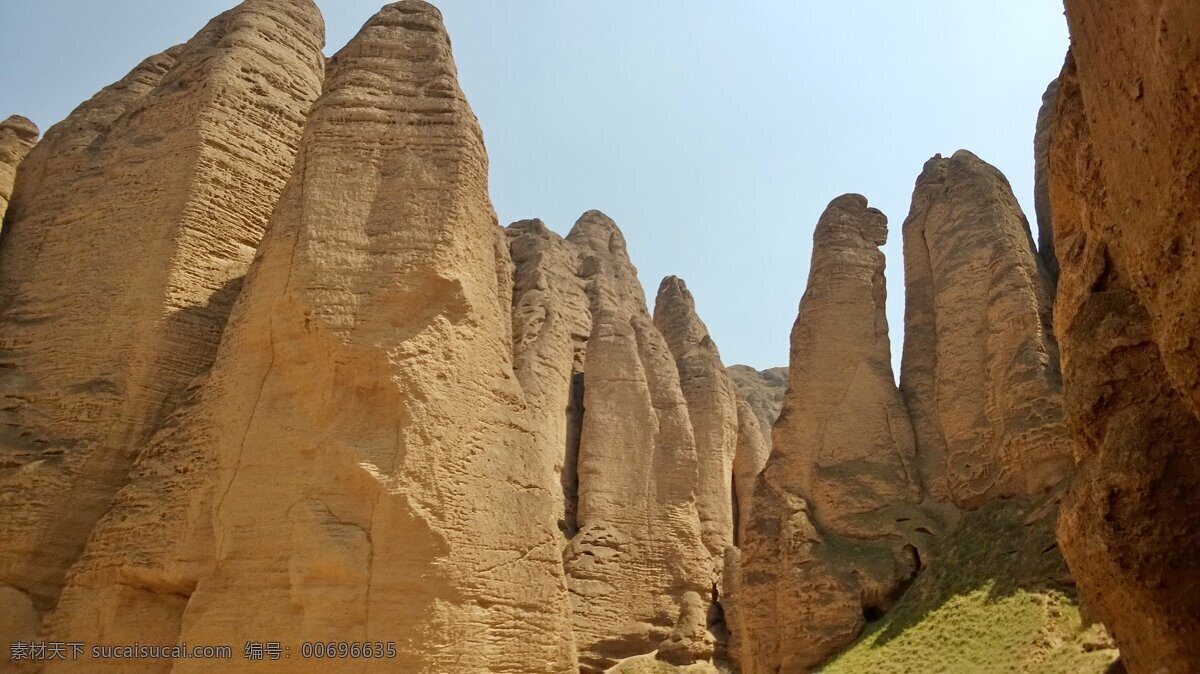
(997, 598)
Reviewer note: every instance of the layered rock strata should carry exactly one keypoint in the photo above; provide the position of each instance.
(1124, 156)
(358, 465)
(130, 227)
(980, 368)
(17, 136)
(1041, 181)
(836, 504)
(764, 391)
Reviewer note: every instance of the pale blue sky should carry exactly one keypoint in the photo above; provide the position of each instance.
(713, 132)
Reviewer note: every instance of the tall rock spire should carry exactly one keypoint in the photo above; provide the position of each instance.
(832, 512)
(129, 229)
(980, 367)
(17, 136)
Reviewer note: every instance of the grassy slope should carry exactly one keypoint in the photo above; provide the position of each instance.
(998, 598)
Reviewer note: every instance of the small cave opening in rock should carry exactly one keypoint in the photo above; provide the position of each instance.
(872, 613)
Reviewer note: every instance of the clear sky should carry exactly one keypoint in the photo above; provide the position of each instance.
(714, 133)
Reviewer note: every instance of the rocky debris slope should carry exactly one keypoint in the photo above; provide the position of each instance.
(980, 368)
(17, 136)
(1124, 156)
(833, 511)
(129, 229)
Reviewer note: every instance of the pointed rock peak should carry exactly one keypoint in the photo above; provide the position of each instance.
(673, 289)
(597, 231)
(961, 162)
(532, 226)
(21, 127)
(851, 212)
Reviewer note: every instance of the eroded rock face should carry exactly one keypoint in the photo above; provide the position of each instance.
(980, 368)
(358, 465)
(17, 137)
(832, 509)
(690, 641)
(712, 409)
(1124, 155)
(1041, 181)
(763, 390)
(130, 227)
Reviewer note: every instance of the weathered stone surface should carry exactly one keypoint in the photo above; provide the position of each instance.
(690, 641)
(1041, 181)
(835, 504)
(980, 369)
(639, 547)
(358, 465)
(763, 390)
(1124, 157)
(129, 229)
(712, 409)
(17, 137)
(748, 462)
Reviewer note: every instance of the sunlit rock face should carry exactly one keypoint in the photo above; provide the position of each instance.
(1124, 156)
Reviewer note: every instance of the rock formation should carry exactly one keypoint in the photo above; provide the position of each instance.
(763, 390)
(17, 137)
(980, 368)
(712, 406)
(1041, 181)
(1125, 153)
(826, 542)
(690, 641)
(129, 229)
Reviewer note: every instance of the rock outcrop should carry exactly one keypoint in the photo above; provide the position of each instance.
(833, 509)
(764, 391)
(980, 369)
(130, 227)
(690, 642)
(17, 137)
(357, 466)
(1041, 181)
(712, 406)
(1125, 153)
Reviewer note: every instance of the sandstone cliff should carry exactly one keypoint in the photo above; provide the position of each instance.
(129, 229)
(1041, 181)
(17, 137)
(763, 390)
(826, 541)
(1125, 153)
(980, 367)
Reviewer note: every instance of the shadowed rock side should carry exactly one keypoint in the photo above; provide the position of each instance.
(712, 408)
(763, 390)
(358, 465)
(1124, 157)
(980, 368)
(128, 230)
(638, 548)
(1041, 182)
(826, 542)
(17, 136)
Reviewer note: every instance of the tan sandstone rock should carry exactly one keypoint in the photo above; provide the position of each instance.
(764, 391)
(1041, 181)
(1124, 157)
(690, 641)
(17, 137)
(130, 227)
(358, 465)
(826, 543)
(712, 409)
(980, 368)
(638, 548)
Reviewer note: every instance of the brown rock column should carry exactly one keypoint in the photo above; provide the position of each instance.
(129, 229)
(17, 136)
(980, 369)
(824, 544)
(712, 409)
(1123, 165)
(1041, 181)
(763, 391)
(359, 466)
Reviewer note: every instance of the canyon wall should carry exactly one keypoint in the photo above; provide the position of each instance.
(17, 136)
(980, 368)
(1124, 156)
(129, 229)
